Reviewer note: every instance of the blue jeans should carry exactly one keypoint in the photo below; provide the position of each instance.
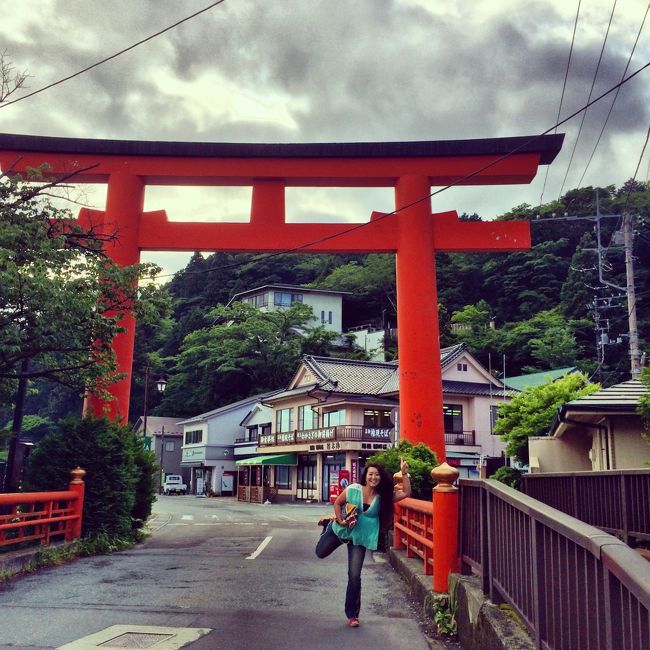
(328, 543)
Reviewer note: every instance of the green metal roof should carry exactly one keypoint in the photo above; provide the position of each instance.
(537, 378)
(271, 459)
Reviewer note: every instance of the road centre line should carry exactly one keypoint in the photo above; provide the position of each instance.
(260, 548)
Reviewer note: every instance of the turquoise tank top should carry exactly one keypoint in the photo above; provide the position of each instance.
(366, 531)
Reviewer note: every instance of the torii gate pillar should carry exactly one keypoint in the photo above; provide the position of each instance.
(417, 314)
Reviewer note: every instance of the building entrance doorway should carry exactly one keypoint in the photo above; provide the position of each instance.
(331, 463)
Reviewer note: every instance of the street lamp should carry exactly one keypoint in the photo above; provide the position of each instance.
(161, 384)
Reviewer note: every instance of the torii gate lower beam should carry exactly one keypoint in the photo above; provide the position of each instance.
(413, 233)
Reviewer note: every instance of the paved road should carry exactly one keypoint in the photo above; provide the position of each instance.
(246, 573)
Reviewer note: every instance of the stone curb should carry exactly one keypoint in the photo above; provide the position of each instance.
(481, 624)
(13, 563)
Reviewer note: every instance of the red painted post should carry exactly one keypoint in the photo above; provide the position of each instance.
(124, 207)
(445, 526)
(420, 376)
(397, 512)
(77, 485)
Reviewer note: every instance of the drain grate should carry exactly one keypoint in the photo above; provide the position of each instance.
(157, 637)
(135, 640)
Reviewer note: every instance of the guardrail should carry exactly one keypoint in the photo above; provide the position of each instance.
(571, 584)
(617, 501)
(413, 530)
(460, 437)
(30, 517)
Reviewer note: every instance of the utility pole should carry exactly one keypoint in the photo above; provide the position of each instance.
(628, 239)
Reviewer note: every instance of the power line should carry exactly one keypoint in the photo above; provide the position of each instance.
(365, 224)
(566, 76)
(113, 56)
(591, 90)
(611, 108)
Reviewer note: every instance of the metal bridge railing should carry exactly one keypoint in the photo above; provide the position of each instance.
(616, 501)
(573, 585)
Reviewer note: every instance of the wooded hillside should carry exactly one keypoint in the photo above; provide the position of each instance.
(518, 312)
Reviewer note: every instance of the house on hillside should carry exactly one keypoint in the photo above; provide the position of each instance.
(335, 413)
(164, 437)
(326, 305)
(214, 440)
(601, 431)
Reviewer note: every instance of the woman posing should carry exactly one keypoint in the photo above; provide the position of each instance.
(373, 498)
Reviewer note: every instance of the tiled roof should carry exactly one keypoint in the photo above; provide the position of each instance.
(475, 388)
(621, 397)
(366, 377)
(350, 376)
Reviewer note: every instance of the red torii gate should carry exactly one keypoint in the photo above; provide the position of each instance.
(414, 234)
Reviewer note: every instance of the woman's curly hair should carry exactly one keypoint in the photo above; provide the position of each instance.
(385, 490)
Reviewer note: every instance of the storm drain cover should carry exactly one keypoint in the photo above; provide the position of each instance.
(139, 636)
(135, 640)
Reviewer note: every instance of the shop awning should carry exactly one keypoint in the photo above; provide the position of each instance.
(272, 459)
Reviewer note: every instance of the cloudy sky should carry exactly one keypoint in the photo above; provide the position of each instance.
(335, 71)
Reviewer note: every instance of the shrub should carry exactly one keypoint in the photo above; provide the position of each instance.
(508, 475)
(114, 467)
(421, 461)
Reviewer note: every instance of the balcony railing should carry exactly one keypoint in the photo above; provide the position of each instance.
(460, 437)
(344, 432)
(249, 439)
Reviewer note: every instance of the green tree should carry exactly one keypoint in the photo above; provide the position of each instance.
(61, 298)
(115, 469)
(421, 461)
(531, 413)
(245, 351)
(644, 403)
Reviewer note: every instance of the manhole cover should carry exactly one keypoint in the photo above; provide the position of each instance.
(135, 640)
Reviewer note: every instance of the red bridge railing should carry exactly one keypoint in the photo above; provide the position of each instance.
(414, 532)
(42, 516)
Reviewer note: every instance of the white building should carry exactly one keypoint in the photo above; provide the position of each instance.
(326, 305)
(212, 442)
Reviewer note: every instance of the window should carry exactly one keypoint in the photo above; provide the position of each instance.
(307, 418)
(494, 415)
(329, 317)
(462, 367)
(284, 420)
(261, 300)
(334, 418)
(251, 433)
(453, 416)
(265, 429)
(376, 419)
(282, 477)
(286, 299)
(193, 437)
(322, 317)
(169, 445)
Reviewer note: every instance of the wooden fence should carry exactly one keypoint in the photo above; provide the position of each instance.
(42, 517)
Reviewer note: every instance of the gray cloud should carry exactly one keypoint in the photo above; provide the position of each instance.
(362, 70)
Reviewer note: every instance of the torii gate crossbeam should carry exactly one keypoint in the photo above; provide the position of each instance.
(413, 233)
